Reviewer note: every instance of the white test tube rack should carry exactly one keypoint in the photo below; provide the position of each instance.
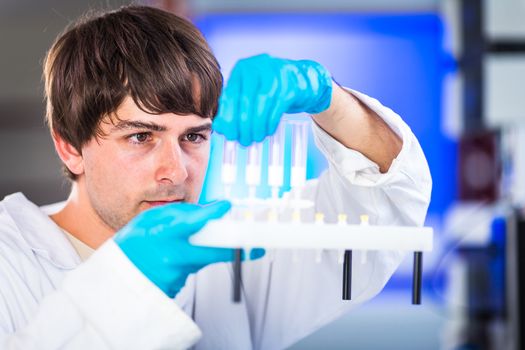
(295, 235)
(229, 233)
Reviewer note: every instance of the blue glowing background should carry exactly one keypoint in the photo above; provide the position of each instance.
(396, 58)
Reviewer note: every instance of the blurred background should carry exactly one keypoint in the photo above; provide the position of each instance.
(453, 69)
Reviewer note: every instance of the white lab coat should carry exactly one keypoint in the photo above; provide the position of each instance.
(50, 300)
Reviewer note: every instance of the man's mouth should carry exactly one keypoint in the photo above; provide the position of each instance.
(162, 202)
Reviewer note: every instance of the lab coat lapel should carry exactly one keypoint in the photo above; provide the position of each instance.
(40, 233)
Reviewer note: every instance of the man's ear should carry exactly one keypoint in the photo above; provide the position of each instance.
(68, 154)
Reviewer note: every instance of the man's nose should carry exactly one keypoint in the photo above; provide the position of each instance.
(172, 167)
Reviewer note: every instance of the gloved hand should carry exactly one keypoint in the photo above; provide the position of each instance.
(156, 241)
(261, 88)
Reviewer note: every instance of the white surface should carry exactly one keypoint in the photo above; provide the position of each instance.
(504, 89)
(504, 19)
(238, 234)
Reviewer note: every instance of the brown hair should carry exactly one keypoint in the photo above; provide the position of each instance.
(159, 59)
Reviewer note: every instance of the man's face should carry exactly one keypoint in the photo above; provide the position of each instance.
(144, 160)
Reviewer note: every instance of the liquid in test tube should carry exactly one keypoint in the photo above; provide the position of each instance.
(299, 153)
(253, 168)
(276, 160)
(229, 166)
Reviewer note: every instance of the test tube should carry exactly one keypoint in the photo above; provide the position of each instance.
(229, 166)
(276, 144)
(299, 153)
(253, 168)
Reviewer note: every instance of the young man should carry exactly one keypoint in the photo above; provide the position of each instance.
(131, 96)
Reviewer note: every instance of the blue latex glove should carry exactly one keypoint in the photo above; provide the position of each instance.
(156, 241)
(261, 88)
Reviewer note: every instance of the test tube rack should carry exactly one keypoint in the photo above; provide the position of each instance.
(271, 234)
(229, 233)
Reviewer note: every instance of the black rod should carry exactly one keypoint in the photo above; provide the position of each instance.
(506, 47)
(416, 278)
(347, 276)
(237, 262)
(474, 46)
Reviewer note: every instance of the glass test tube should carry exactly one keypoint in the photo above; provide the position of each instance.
(229, 166)
(299, 153)
(276, 144)
(253, 168)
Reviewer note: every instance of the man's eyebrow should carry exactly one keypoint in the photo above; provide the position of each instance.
(201, 128)
(135, 124)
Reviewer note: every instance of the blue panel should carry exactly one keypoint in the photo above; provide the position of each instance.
(397, 59)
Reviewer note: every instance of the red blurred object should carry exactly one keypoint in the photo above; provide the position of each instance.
(479, 167)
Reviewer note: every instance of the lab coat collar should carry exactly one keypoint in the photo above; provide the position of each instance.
(40, 233)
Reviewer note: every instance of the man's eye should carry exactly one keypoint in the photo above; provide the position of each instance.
(141, 137)
(196, 138)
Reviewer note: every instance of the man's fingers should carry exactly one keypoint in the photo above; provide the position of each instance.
(257, 253)
(264, 102)
(225, 122)
(202, 256)
(247, 92)
(216, 209)
(201, 215)
(187, 219)
(274, 118)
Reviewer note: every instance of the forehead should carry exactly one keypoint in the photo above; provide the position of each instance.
(128, 111)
